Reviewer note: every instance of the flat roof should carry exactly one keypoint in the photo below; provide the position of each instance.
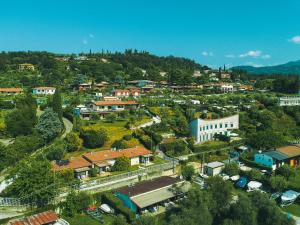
(148, 186)
(157, 196)
(215, 164)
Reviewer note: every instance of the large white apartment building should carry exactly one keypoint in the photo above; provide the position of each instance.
(289, 101)
(204, 130)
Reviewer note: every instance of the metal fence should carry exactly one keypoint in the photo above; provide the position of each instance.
(10, 202)
(141, 171)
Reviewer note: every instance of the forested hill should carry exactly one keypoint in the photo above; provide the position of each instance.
(54, 69)
(291, 68)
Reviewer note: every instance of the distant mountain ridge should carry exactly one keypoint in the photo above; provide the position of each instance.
(285, 69)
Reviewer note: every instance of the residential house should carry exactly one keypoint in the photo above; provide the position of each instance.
(289, 154)
(11, 91)
(102, 161)
(135, 92)
(85, 86)
(205, 129)
(44, 218)
(43, 90)
(79, 165)
(113, 106)
(26, 66)
(289, 101)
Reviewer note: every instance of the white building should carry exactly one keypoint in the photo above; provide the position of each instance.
(226, 88)
(204, 130)
(289, 101)
(213, 168)
(43, 90)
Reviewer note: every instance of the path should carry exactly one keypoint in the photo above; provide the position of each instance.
(154, 120)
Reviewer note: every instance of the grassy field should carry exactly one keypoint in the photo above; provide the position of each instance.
(115, 131)
(293, 209)
(294, 182)
(87, 220)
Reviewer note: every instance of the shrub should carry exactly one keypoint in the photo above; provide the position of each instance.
(93, 138)
(188, 172)
(127, 137)
(74, 142)
(121, 164)
(231, 169)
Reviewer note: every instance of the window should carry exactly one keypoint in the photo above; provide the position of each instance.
(211, 126)
(216, 126)
(203, 128)
(200, 128)
(226, 125)
(221, 125)
(231, 125)
(207, 127)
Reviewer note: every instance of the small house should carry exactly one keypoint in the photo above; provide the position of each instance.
(213, 168)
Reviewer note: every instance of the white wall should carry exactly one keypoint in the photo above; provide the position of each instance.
(206, 129)
(135, 161)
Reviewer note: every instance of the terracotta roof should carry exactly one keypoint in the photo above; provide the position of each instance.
(11, 90)
(290, 150)
(148, 186)
(120, 90)
(37, 219)
(44, 88)
(103, 103)
(109, 154)
(74, 163)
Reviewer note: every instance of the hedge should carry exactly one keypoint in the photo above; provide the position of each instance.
(118, 205)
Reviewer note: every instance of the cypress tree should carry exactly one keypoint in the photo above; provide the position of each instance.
(57, 104)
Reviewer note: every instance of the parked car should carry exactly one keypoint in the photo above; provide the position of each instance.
(242, 182)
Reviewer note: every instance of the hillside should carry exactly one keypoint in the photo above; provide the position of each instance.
(286, 69)
(53, 69)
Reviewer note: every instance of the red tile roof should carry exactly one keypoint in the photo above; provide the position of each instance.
(37, 219)
(74, 163)
(104, 103)
(109, 154)
(11, 90)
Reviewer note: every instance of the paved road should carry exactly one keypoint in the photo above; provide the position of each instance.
(68, 127)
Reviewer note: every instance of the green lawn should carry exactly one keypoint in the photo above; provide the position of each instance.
(294, 182)
(87, 220)
(293, 209)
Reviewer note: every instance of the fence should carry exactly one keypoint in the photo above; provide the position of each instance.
(11, 202)
(141, 171)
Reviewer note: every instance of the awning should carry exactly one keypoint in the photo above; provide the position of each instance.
(83, 169)
(157, 196)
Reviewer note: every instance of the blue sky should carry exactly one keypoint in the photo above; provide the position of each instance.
(212, 32)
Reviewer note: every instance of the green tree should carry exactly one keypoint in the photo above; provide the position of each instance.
(222, 198)
(93, 138)
(243, 211)
(111, 117)
(278, 183)
(286, 171)
(74, 142)
(57, 104)
(49, 125)
(121, 164)
(34, 183)
(188, 172)
(231, 169)
(22, 120)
